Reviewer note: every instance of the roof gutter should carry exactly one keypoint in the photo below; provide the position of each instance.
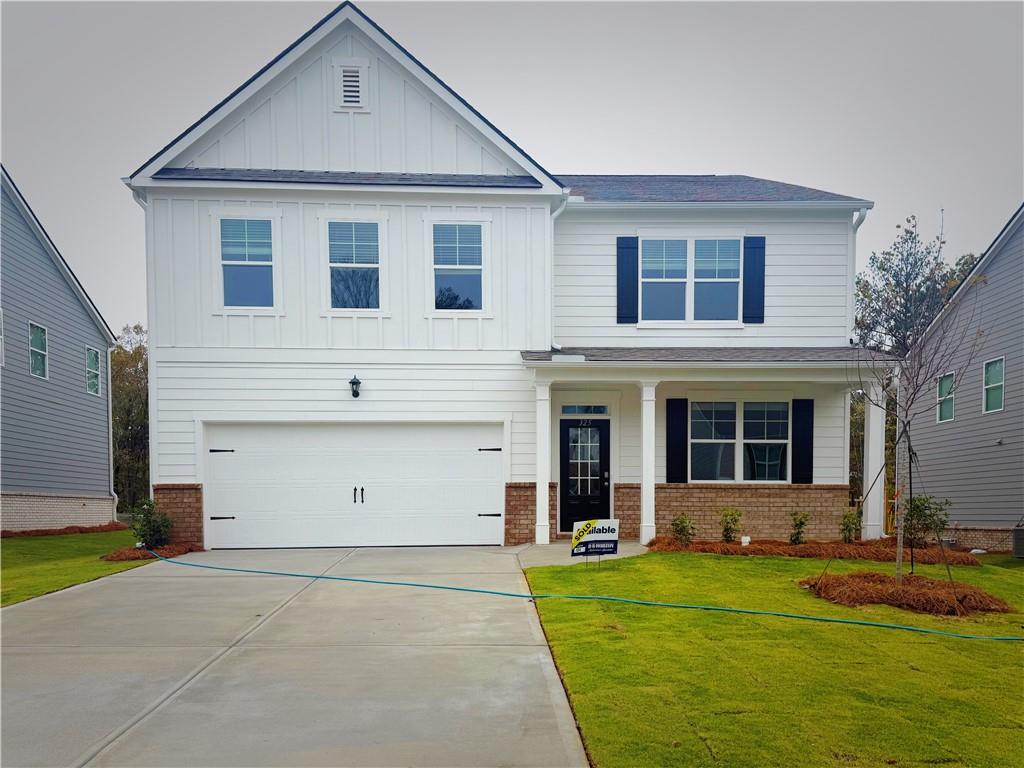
(841, 205)
(684, 364)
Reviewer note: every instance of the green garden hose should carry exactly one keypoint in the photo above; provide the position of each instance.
(604, 598)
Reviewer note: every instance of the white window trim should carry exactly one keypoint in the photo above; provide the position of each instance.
(338, 63)
(45, 352)
(487, 311)
(691, 235)
(740, 441)
(276, 216)
(381, 219)
(98, 372)
(985, 387)
(951, 397)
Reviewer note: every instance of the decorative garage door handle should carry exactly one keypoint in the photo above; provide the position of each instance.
(489, 514)
(362, 495)
(215, 517)
(354, 488)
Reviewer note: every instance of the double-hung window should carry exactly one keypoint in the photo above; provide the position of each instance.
(944, 396)
(663, 279)
(458, 266)
(716, 280)
(247, 256)
(992, 385)
(690, 279)
(38, 356)
(712, 441)
(354, 264)
(92, 371)
(765, 440)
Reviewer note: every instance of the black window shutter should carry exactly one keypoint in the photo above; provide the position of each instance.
(627, 270)
(753, 280)
(676, 435)
(803, 441)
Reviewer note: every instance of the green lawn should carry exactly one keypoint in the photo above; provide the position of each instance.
(666, 687)
(34, 565)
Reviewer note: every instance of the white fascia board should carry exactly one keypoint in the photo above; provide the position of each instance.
(842, 205)
(418, 70)
(178, 184)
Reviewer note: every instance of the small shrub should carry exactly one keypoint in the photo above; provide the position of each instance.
(924, 515)
(731, 518)
(683, 529)
(150, 526)
(799, 523)
(848, 526)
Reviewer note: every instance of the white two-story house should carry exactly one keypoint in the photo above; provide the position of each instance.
(376, 320)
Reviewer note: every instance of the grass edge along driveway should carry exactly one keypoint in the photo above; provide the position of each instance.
(669, 687)
(37, 565)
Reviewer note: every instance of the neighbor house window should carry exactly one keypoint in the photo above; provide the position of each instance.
(458, 266)
(663, 280)
(993, 386)
(765, 440)
(246, 255)
(92, 371)
(712, 441)
(354, 262)
(38, 357)
(716, 280)
(944, 395)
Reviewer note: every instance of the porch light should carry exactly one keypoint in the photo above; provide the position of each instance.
(354, 383)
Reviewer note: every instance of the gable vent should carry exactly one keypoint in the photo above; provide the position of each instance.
(350, 84)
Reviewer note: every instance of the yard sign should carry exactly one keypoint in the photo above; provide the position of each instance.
(595, 537)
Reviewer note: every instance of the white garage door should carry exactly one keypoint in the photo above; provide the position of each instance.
(324, 485)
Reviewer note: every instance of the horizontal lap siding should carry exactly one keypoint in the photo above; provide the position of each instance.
(807, 280)
(54, 434)
(962, 460)
(257, 390)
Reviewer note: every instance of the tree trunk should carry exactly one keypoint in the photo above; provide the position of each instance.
(901, 505)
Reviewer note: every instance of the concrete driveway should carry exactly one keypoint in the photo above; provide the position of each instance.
(170, 666)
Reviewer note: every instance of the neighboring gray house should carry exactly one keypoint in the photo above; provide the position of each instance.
(55, 442)
(970, 446)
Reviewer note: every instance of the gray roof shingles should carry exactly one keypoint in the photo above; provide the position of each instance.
(695, 189)
(683, 355)
(347, 177)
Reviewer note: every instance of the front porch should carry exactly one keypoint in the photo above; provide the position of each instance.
(645, 440)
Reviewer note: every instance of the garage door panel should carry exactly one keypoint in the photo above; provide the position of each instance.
(292, 485)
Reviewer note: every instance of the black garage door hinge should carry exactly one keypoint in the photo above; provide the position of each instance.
(225, 517)
(489, 449)
(222, 450)
(489, 514)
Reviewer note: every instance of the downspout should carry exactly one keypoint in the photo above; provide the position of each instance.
(858, 219)
(551, 282)
(110, 433)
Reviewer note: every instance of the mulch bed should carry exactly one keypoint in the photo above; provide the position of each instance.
(917, 593)
(134, 553)
(881, 550)
(105, 528)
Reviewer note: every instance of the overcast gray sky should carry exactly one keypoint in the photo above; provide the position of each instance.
(916, 106)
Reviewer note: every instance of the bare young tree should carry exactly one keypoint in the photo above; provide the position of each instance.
(914, 327)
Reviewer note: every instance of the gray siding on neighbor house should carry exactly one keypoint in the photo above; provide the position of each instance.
(54, 435)
(977, 459)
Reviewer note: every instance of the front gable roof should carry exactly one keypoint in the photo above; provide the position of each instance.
(51, 249)
(346, 12)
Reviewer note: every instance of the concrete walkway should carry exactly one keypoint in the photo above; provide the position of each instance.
(169, 666)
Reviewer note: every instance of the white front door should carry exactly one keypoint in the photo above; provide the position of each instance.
(325, 485)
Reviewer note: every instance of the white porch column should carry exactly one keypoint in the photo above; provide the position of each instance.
(873, 521)
(543, 461)
(647, 390)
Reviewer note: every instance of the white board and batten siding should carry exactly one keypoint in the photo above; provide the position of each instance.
(401, 126)
(809, 269)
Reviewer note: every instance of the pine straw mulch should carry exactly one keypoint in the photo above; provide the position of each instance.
(881, 550)
(917, 593)
(137, 553)
(105, 528)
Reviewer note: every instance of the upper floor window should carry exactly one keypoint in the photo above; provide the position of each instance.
(458, 266)
(765, 440)
(992, 386)
(663, 279)
(694, 279)
(944, 396)
(354, 263)
(92, 371)
(247, 256)
(38, 355)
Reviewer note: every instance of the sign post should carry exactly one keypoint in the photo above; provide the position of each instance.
(595, 537)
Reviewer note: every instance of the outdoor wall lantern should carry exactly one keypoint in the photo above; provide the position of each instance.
(354, 383)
